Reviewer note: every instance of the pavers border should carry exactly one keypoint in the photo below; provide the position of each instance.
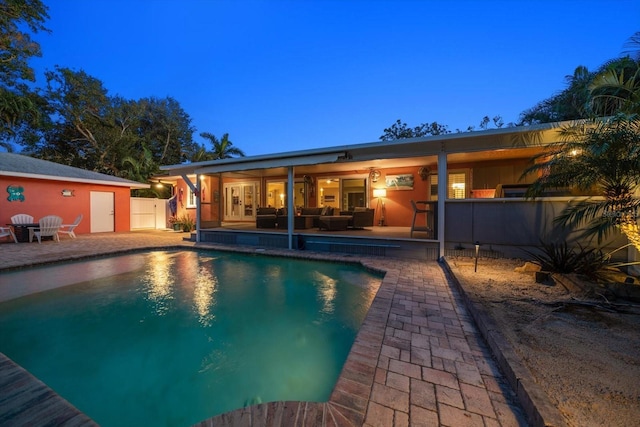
(537, 406)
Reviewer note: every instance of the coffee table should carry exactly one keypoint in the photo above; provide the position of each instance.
(334, 223)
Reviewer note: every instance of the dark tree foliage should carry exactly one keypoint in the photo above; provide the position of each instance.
(400, 130)
(94, 131)
(16, 46)
(19, 107)
(613, 88)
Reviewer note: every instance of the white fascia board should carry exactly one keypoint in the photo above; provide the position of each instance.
(272, 163)
(80, 180)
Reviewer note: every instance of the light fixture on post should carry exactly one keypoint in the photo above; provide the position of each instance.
(380, 193)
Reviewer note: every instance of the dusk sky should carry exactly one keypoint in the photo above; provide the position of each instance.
(292, 75)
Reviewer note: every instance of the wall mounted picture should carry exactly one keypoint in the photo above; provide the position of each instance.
(399, 182)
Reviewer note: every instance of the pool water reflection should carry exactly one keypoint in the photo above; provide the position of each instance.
(177, 337)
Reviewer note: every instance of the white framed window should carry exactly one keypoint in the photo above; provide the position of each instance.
(191, 198)
(457, 184)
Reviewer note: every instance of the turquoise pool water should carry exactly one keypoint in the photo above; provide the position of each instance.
(176, 337)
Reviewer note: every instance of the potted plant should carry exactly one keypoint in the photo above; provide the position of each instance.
(174, 223)
(187, 223)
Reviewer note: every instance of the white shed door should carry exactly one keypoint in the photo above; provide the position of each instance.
(102, 211)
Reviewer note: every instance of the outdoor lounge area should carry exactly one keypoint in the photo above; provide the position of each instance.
(315, 218)
(24, 228)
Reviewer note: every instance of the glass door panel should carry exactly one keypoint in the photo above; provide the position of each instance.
(239, 201)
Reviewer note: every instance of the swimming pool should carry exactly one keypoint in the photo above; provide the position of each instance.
(176, 337)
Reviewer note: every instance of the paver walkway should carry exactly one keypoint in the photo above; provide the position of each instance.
(418, 359)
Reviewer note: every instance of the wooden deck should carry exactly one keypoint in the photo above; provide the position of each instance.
(22, 392)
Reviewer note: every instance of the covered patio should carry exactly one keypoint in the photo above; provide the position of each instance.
(472, 182)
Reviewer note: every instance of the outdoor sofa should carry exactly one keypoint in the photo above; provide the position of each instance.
(307, 218)
(266, 218)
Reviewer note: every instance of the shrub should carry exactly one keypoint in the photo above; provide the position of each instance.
(560, 258)
(590, 262)
(187, 222)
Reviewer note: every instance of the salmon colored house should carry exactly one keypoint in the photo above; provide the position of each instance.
(471, 184)
(38, 188)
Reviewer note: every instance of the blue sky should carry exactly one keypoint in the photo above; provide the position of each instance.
(291, 75)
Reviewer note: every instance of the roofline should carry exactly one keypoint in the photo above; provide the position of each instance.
(131, 184)
(437, 143)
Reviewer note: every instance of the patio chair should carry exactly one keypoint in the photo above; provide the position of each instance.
(68, 228)
(416, 211)
(22, 219)
(49, 226)
(6, 232)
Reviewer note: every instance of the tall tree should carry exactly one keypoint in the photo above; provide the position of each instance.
(570, 104)
(82, 136)
(18, 106)
(616, 88)
(112, 135)
(16, 46)
(222, 148)
(167, 129)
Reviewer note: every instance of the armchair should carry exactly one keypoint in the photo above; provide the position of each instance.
(362, 217)
(266, 218)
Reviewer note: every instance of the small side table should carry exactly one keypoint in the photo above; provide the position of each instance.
(22, 231)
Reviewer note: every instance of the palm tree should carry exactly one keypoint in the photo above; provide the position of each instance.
(616, 88)
(222, 148)
(602, 155)
(201, 154)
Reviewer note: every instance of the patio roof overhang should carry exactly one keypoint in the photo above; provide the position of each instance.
(480, 145)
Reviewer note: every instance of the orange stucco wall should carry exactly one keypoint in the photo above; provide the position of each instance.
(398, 210)
(44, 197)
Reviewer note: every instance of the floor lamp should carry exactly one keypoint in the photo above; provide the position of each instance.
(380, 193)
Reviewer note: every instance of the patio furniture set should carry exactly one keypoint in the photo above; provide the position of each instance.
(24, 229)
(320, 218)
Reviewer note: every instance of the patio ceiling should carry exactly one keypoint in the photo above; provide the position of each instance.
(365, 166)
(490, 145)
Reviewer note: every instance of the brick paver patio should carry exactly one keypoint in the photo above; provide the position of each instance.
(418, 359)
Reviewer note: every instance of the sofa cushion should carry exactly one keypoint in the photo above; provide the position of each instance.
(311, 211)
(327, 211)
(266, 211)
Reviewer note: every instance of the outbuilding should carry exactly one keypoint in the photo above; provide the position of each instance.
(38, 188)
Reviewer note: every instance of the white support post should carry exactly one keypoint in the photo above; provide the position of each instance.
(198, 199)
(442, 196)
(195, 188)
(290, 208)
